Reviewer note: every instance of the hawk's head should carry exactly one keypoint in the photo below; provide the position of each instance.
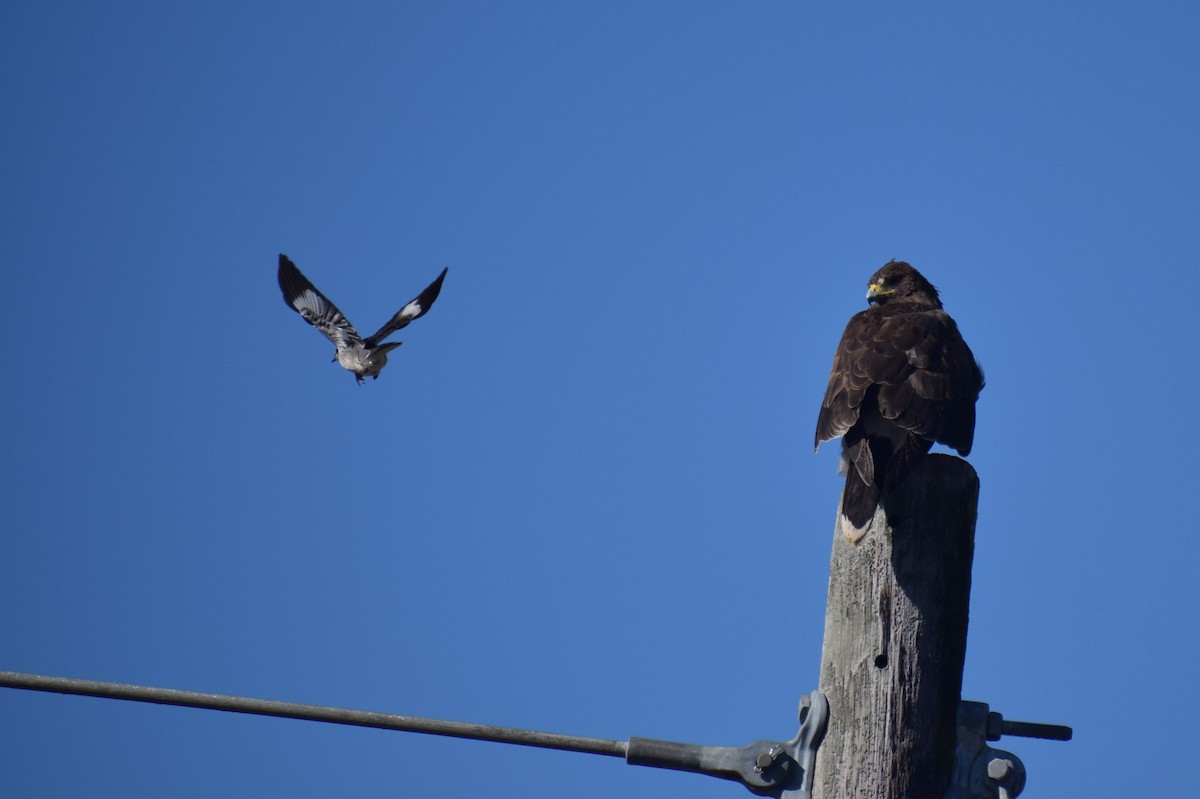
(896, 280)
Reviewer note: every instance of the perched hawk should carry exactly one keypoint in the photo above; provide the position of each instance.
(902, 379)
(364, 357)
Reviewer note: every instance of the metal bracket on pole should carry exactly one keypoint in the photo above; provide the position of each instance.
(767, 768)
(981, 772)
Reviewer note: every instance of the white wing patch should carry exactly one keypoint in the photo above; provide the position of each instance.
(310, 305)
(410, 312)
(359, 356)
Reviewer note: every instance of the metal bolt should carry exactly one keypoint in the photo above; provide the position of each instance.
(767, 758)
(999, 769)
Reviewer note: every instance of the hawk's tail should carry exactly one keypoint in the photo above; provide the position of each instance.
(859, 500)
(867, 461)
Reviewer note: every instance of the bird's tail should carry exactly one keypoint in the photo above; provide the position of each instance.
(859, 500)
(867, 464)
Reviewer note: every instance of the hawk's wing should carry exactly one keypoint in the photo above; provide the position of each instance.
(915, 368)
(414, 309)
(315, 307)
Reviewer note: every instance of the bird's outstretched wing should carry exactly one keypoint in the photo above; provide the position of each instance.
(414, 309)
(315, 307)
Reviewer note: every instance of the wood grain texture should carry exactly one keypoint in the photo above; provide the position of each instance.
(895, 639)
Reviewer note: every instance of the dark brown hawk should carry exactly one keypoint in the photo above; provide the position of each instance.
(902, 379)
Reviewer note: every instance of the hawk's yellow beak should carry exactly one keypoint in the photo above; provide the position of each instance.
(876, 290)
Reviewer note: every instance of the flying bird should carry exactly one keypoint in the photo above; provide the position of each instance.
(364, 357)
(902, 378)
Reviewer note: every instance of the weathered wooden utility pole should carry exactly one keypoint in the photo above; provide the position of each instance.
(896, 638)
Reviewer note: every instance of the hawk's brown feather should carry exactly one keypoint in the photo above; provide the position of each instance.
(902, 378)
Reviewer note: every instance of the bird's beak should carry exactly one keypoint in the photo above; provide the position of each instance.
(875, 293)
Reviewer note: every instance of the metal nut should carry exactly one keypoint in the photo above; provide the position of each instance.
(999, 769)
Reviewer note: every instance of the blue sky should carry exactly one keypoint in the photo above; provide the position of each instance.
(582, 497)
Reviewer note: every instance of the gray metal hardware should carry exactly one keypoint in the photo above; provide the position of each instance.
(766, 768)
(981, 772)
